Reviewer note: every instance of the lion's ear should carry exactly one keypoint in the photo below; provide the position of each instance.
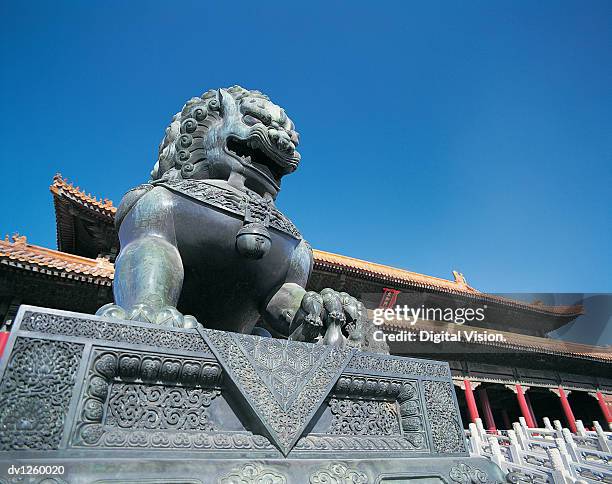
(227, 105)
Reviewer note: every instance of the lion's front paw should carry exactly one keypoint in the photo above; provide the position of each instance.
(170, 316)
(166, 316)
(112, 311)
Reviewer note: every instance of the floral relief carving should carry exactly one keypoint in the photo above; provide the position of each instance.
(253, 209)
(387, 417)
(159, 407)
(254, 474)
(260, 367)
(35, 393)
(397, 366)
(170, 394)
(446, 430)
(322, 442)
(110, 330)
(362, 417)
(466, 474)
(338, 473)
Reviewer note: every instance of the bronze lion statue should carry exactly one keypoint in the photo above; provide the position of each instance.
(203, 242)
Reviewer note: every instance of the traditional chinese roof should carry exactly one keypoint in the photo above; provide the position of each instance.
(85, 224)
(63, 188)
(389, 275)
(18, 254)
(400, 277)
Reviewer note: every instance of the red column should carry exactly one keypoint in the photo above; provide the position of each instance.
(471, 403)
(604, 407)
(523, 405)
(4, 335)
(531, 412)
(567, 410)
(486, 409)
(506, 419)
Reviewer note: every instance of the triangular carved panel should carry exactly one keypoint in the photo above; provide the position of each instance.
(284, 382)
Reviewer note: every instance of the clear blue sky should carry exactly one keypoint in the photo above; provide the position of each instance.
(435, 135)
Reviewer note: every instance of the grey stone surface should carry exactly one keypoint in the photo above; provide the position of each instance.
(178, 469)
(122, 401)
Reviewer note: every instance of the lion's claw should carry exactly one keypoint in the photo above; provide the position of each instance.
(166, 316)
(112, 311)
(328, 317)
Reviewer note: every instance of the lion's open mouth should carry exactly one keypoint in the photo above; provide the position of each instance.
(252, 154)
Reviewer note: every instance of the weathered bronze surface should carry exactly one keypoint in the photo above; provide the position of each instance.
(203, 237)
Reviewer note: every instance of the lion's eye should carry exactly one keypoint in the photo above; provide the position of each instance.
(254, 116)
(250, 120)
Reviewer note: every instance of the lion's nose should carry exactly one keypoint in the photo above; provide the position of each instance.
(282, 140)
(284, 144)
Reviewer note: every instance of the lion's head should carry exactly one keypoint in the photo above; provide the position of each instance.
(227, 132)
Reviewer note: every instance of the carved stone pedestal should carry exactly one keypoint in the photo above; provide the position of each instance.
(126, 402)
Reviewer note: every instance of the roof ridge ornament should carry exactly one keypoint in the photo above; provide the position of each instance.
(103, 262)
(460, 279)
(20, 240)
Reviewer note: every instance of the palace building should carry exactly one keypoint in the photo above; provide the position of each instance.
(521, 371)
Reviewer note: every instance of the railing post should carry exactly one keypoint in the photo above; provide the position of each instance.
(515, 446)
(475, 439)
(547, 425)
(565, 455)
(496, 455)
(519, 433)
(481, 430)
(571, 445)
(601, 436)
(560, 473)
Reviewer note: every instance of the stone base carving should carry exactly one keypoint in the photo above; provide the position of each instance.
(122, 401)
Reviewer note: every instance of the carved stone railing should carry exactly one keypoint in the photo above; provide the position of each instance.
(549, 454)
